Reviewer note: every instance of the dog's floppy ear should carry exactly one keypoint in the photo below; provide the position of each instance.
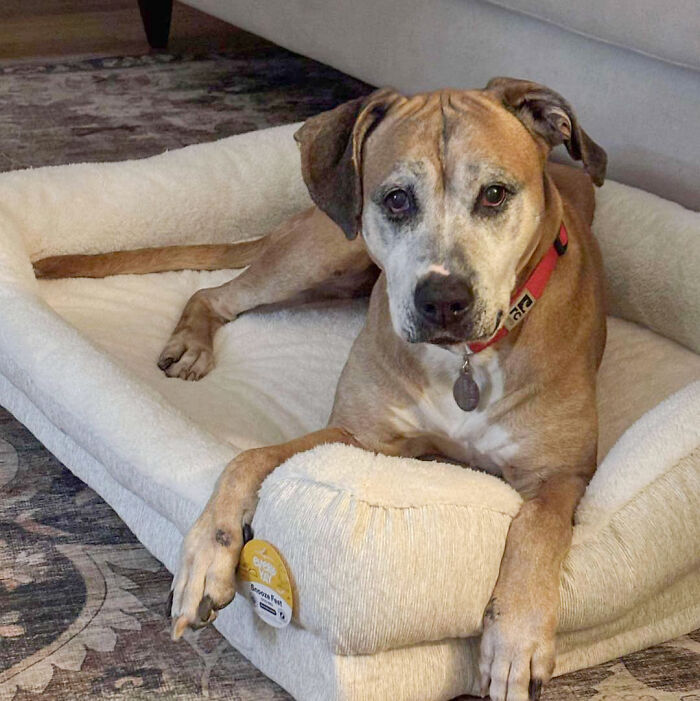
(548, 115)
(331, 156)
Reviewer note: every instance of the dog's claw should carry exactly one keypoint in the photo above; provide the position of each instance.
(535, 690)
(169, 604)
(179, 627)
(205, 609)
(165, 363)
(186, 356)
(206, 613)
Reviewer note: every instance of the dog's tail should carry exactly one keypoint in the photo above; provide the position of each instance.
(150, 260)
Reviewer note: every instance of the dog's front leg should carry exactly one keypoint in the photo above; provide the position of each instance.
(305, 259)
(520, 621)
(205, 580)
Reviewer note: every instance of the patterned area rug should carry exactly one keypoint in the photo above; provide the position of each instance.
(110, 109)
(81, 602)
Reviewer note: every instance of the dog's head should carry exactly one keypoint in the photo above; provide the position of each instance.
(448, 191)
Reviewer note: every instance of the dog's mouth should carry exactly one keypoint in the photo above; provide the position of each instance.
(446, 339)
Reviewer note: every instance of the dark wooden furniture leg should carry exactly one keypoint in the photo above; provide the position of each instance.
(156, 16)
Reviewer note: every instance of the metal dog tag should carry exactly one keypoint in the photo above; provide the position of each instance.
(465, 390)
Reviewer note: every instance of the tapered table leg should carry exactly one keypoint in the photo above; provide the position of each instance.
(156, 16)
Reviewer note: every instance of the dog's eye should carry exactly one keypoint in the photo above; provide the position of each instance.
(398, 202)
(493, 196)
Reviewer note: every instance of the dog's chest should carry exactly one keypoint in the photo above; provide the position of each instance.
(474, 437)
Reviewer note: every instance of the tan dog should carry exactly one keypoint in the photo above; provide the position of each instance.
(456, 206)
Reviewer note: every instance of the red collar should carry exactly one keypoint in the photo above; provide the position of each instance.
(524, 299)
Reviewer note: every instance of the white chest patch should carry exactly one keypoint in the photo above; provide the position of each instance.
(473, 437)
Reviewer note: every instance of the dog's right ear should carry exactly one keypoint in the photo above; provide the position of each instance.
(549, 117)
(331, 156)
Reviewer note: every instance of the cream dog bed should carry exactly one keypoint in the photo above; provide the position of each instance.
(393, 560)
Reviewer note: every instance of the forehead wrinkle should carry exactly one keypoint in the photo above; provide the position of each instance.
(482, 172)
(405, 172)
(442, 137)
(412, 108)
(408, 134)
(474, 100)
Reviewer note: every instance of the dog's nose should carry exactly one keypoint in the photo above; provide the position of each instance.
(443, 300)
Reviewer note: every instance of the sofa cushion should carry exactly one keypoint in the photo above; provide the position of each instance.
(669, 31)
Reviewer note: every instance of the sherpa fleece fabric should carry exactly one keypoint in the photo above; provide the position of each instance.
(392, 559)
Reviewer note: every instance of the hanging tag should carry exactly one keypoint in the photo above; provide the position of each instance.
(266, 582)
(465, 390)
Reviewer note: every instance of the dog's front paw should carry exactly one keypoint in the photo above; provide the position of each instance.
(517, 653)
(206, 578)
(186, 357)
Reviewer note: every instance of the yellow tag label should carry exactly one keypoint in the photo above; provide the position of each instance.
(265, 579)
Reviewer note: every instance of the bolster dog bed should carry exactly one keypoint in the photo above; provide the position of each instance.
(392, 560)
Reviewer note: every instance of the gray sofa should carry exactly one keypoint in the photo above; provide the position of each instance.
(631, 68)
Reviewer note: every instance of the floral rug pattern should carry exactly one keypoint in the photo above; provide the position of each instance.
(82, 611)
(82, 603)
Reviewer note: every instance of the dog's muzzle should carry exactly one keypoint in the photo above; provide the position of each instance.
(443, 304)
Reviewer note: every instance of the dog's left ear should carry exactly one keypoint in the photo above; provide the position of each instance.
(331, 155)
(549, 116)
